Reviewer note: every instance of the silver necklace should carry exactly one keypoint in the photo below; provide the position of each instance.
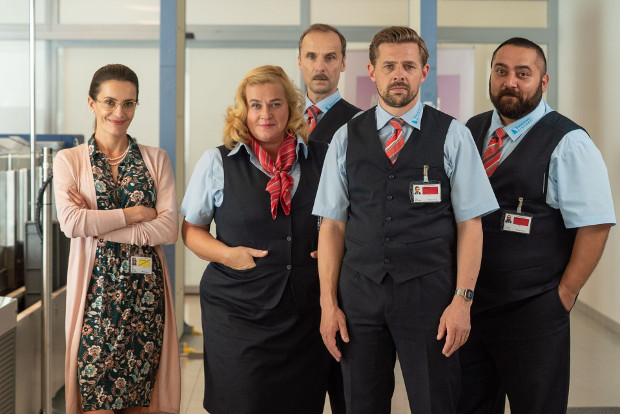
(118, 159)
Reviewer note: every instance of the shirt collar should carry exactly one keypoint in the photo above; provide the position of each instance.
(413, 117)
(324, 105)
(300, 144)
(521, 126)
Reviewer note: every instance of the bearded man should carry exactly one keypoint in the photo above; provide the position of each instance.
(550, 179)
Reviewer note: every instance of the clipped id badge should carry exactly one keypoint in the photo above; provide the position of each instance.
(517, 221)
(141, 264)
(425, 191)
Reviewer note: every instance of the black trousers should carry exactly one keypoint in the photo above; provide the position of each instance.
(521, 350)
(335, 389)
(386, 318)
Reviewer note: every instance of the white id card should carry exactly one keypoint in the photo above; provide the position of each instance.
(517, 222)
(425, 192)
(143, 265)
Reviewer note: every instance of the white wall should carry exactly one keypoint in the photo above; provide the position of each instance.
(589, 87)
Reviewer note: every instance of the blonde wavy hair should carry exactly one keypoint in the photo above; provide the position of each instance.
(235, 125)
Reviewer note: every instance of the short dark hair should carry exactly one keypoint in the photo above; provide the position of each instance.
(397, 34)
(114, 71)
(528, 44)
(325, 28)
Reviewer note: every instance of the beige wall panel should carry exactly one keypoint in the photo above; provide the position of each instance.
(89, 12)
(485, 13)
(360, 12)
(244, 12)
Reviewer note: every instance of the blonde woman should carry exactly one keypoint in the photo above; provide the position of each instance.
(259, 294)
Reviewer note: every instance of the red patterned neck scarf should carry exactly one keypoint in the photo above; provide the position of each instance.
(281, 184)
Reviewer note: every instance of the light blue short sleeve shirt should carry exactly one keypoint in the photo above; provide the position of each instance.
(205, 190)
(471, 192)
(578, 183)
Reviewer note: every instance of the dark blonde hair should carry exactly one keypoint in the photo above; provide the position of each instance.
(397, 34)
(235, 125)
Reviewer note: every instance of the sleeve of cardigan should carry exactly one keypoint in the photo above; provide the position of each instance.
(76, 222)
(165, 227)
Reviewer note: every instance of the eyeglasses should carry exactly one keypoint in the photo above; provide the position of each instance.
(111, 105)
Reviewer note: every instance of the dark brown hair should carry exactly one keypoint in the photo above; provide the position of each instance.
(115, 72)
(528, 44)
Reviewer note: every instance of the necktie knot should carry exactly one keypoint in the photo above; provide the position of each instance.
(493, 153)
(397, 123)
(396, 142)
(499, 133)
(312, 113)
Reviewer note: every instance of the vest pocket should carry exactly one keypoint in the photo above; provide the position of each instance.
(424, 243)
(355, 240)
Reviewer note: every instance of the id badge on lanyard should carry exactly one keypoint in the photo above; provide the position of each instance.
(425, 191)
(517, 221)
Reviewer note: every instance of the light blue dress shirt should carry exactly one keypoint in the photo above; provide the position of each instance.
(471, 192)
(578, 182)
(205, 191)
(324, 105)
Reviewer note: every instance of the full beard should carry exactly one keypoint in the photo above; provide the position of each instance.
(397, 101)
(515, 109)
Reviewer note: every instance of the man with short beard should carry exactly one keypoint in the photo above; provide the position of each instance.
(401, 266)
(322, 58)
(550, 179)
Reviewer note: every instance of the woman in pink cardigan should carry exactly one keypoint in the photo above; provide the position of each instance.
(116, 201)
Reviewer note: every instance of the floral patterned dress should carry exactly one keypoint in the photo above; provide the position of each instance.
(123, 326)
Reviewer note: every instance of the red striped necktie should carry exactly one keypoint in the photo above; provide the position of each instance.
(313, 113)
(493, 153)
(281, 184)
(396, 142)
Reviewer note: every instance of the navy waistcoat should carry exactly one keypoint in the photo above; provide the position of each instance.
(386, 232)
(244, 219)
(337, 116)
(517, 266)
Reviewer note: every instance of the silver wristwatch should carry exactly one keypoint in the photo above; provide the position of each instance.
(468, 294)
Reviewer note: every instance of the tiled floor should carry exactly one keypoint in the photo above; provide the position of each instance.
(595, 366)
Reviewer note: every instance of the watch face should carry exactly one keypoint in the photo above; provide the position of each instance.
(469, 294)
